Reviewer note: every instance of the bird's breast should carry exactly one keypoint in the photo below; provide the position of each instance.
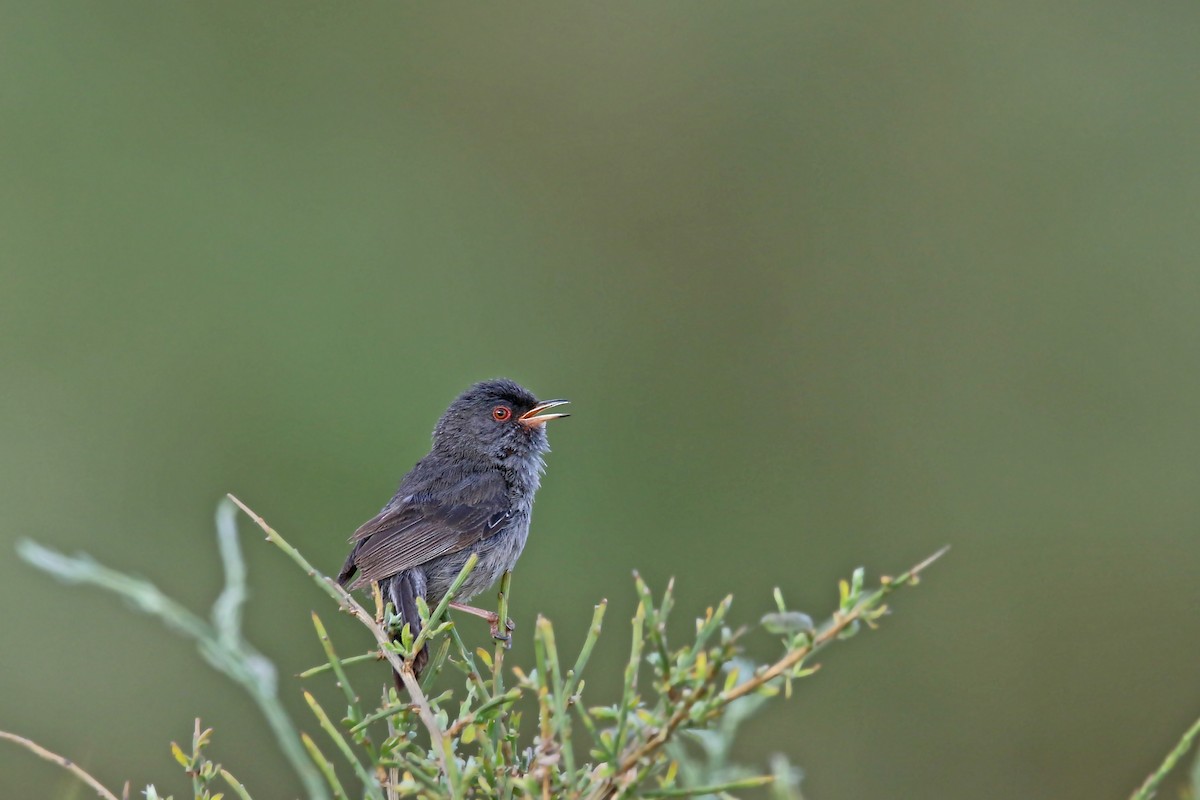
(497, 554)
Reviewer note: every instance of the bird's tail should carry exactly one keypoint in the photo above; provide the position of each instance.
(403, 590)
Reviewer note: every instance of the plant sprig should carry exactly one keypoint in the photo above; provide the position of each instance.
(477, 737)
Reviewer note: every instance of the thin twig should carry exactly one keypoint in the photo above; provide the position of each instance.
(236, 785)
(511, 696)
(325, 766)
(62, 761)
(636, 752)
(370, 786)
(1150, 785)
(439, 611)
(335, 664)
(317, 670)
(347, 602)
(501, 646)
(824, 637)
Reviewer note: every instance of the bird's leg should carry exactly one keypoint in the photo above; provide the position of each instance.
(379, 606)
(377, 596)
(492, 618)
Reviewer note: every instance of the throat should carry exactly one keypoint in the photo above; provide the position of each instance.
(523, 472)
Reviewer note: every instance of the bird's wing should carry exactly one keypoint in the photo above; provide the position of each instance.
(416, 530)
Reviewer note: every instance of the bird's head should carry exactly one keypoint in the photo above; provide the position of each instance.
(495, 419)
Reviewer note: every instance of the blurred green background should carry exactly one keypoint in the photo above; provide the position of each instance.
(828, 284)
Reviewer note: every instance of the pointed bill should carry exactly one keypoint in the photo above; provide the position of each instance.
(534, 416)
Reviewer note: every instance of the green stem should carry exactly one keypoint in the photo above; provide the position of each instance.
(381, 713)
(1150, 786)
(436, 615)
(502, 613)
(585, 653)
(349, 604)
(370, 785)
(560, 720)
(336, 664)
(628, 700)
(320, 668)
(498, 729)
(468, 658)
(324, 766)
(236, 785)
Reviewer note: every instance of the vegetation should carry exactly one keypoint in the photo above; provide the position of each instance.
(502, 731)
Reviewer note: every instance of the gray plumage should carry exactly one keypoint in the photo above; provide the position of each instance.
(473, 493)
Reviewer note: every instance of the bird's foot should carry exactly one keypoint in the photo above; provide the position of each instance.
(493, 621)
(509, 627)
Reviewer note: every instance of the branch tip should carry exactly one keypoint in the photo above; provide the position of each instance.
(919, 567)
(62, 761)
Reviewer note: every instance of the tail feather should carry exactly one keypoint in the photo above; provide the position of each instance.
(403, 590)
(348, 569)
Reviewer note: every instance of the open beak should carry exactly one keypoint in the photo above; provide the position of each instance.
(534, 416)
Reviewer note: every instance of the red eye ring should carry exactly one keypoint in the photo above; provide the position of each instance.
(501, 413)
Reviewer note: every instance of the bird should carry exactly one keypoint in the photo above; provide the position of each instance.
(472, 494)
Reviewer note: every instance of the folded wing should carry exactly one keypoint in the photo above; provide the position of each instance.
(415, 530)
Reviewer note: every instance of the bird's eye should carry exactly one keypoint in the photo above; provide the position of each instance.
(501, 413)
